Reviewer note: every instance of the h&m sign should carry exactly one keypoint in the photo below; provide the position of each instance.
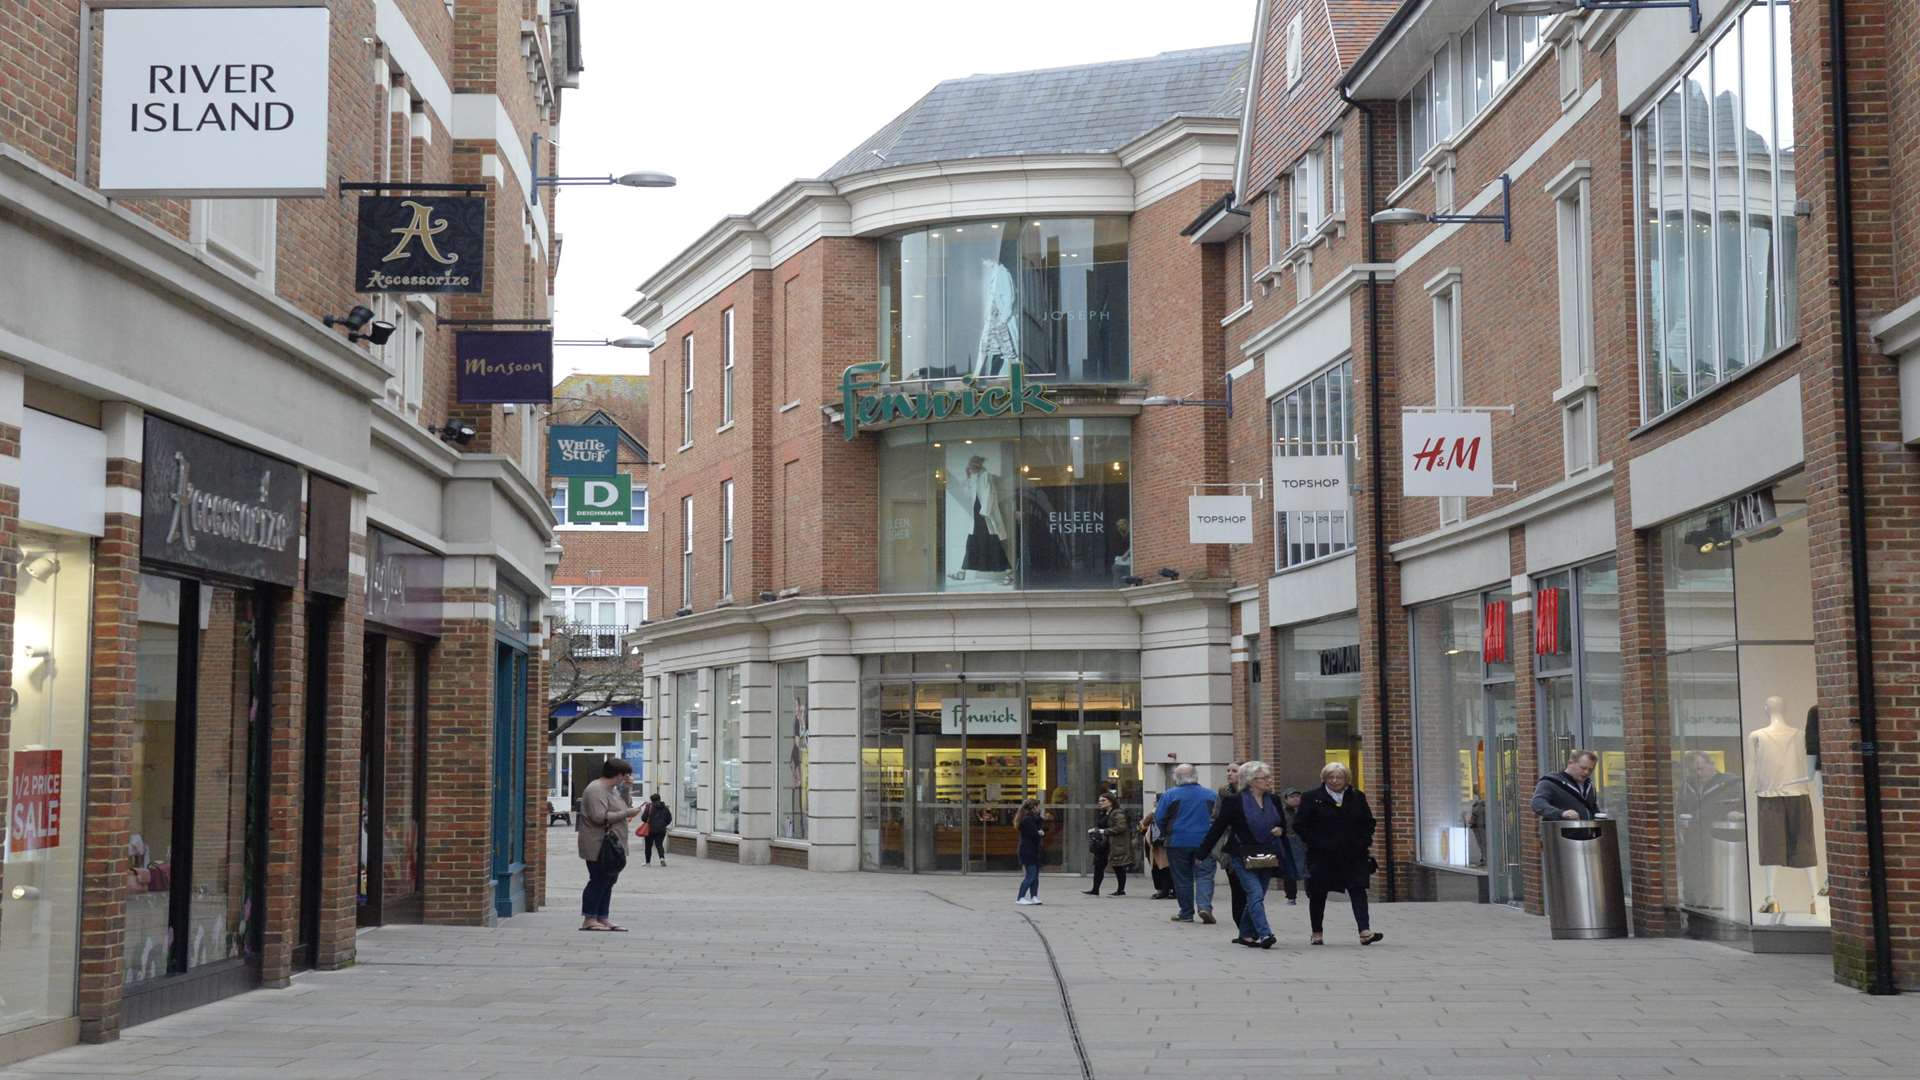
(1446, 453)
(976, 398)
(421, 244)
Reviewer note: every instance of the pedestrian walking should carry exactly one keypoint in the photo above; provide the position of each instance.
(1032, 825)
(1293, 853)
(1337, 825)
(1253, 824)
(1110, 841)
(1231, 790)
(1186, 813)
(604, 812)
(1156, 842)
(658, 816)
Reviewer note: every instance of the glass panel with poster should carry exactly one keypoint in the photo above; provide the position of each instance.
(1320, 716)
(1744, 713)
(726, 727)
(790, 750)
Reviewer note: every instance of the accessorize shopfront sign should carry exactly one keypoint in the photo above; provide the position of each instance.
(1220, 519)
(209, 504)
(405, 583)
(1446, 453)
(504, 367)
(583, 450)
(599, 500)
(982, 716)
(421, 244)
(214, 101)
(1312, 482)
(864, 404)
(33, 806)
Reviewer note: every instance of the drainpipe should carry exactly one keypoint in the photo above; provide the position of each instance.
(1374, 484)
(1882, 982)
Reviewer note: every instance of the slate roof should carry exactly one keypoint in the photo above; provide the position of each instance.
(1092, 108)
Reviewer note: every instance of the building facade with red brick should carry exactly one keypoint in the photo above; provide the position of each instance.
(257, 571)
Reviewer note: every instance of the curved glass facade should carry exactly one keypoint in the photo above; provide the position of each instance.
(972, 297)
(996, 505)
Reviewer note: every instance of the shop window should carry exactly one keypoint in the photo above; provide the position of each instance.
(1320, 703)
(970, 298)
(1315, 418)
(1005, 504)
(727, 711)
(1714, 193)
(1576, 644)
(790, 750)
(686, 718)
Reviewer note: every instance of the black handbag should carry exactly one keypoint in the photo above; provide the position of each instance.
(613, 855)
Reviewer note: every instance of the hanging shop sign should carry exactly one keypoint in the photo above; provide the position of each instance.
(214, 101)
(599, 500)
(1446, 453)
(1546, 621)
(1494, 632)
(981, 716)
(1220, 519)
(975, 399)
(33, 806)
(1312, 482)
(421, 244)
(583, 450)
(404, 584)
(209, 504)
(504, 367)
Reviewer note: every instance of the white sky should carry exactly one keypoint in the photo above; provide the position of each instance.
(737, 99)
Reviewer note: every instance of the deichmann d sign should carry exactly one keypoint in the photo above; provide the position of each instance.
(976, 398)
(1220, 519)
(599, 500)
(421, 244)
(220, 102)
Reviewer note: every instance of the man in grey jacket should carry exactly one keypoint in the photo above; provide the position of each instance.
(604, 813)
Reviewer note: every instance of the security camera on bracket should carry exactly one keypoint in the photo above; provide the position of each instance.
(377, 331)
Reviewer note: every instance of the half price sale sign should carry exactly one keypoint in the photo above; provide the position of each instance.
(33, 808)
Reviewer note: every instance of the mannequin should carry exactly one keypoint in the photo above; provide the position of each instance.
(999, 332)
(986, 551)
(1782, 779)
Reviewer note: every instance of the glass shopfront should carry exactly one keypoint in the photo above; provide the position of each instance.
(1736, 589)
(726, 699)
(1576, 645)
(790, 751)
(43, 761)
(1467, 784)
(686, 723)
(393, 781)
(971, 298)
(952, 744)
(997, 505)
(1320, 705)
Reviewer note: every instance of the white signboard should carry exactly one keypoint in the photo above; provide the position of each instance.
(1310, 482)
(983, 716)
(1446, 453)
(1220, 519)
(224, 102)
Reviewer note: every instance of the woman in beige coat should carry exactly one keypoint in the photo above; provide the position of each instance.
(604, 813)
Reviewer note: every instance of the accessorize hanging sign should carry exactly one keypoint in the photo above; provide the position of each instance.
(1446, 453)
(1220, 519)
(421, 244)
(1312, 482)
(599, 500)
(503, 367)
(214, 101)
(209, 504)
(976, 398)
(583, 450)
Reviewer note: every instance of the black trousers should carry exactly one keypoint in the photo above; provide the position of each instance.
(1100, 873)
(1293, 888)
(656, 842)
(1163, 880)
(1317, 906)
(597, 898)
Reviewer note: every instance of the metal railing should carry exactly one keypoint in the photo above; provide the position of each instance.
(591, 640)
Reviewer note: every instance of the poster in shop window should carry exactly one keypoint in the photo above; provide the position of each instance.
(1075, 533)
(33, 804)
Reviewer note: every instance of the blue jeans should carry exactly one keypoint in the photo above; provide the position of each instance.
(1192, 879)
(1030, 882)
(597, 898)
(1253, 917)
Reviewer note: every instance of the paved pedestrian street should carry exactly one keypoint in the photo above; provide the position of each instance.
(742, 972)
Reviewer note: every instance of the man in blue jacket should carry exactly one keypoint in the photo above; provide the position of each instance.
(1184, 814)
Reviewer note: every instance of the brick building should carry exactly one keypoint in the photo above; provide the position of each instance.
(255, 568)
(905, 469)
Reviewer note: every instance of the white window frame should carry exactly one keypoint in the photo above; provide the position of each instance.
(203, 231)
(686, 551)
(1275, 225)
(639, 509)
(1572, 195)
(726, 539)
(1580, 431)
(1246, 268)
(1293, 49)
(1300, 422)
(726, 368)
(1448, 374)
(686, 391)
(1462, 80)
(1337, 172)
(1304, 190)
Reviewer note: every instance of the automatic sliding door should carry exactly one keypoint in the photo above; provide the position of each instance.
(937, 775)
(998, 772)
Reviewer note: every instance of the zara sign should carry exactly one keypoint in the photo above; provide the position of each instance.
(214, 101)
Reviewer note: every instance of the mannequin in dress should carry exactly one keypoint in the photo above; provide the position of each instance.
(999, 331)
(979, 495)
(1782, 779)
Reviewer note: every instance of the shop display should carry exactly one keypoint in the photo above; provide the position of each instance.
(999, 332)
(985, 544)
(1782, 775)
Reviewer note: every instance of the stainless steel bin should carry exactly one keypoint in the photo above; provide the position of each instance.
(1585, 898)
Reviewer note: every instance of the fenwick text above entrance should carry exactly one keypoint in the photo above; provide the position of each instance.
(1014, 397)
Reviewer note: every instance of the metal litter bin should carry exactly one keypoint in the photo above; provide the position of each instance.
(1585, 899)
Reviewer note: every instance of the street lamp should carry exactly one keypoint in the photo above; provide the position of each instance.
(1561, 7)
(1161, 400)
(616, 343)
(1399, 215)
(641, 179)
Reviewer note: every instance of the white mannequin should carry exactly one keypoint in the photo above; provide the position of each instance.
(979, 484)
(1779, 767)
(999, 332)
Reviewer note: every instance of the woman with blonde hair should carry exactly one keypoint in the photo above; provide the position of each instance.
(1032, 825)
(1337, 826)
(1254, 824)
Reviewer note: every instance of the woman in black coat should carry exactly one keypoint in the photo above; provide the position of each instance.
(1337, 826)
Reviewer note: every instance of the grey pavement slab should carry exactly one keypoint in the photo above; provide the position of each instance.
(735, 973)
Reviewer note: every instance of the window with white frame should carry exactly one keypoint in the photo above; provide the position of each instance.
(1576, 276)
(596, 617)
(686, 391)
(1293, 49)
(1447, 374)
(686, 551)
(726, 538)
(1337, 166)
(1246, 267)
(1462, 80)
(1580, 431)
(637, 518)
(239, 233)
(1305, 187)
(1314, 418)
(1276, 226)
(1717, 208)
(558, 501)
(726, 367)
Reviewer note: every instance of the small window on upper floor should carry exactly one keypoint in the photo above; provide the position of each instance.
(1293, 49)
(239, 233)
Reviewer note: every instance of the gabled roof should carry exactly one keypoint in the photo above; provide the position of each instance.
(599, 418)
(1356, 23)
(1091, 108)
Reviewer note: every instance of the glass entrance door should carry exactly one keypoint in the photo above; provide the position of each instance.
(939, 783)
(1507, 796)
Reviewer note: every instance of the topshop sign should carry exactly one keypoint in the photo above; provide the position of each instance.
(214, 101)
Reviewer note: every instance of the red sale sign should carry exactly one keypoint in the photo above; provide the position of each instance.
(33, 811)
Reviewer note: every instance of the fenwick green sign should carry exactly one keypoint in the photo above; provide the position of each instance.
(1015, 397)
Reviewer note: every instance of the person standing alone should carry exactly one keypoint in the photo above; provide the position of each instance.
(604, 813)
(657, 817)
(1111, 844)
(1032, 825)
